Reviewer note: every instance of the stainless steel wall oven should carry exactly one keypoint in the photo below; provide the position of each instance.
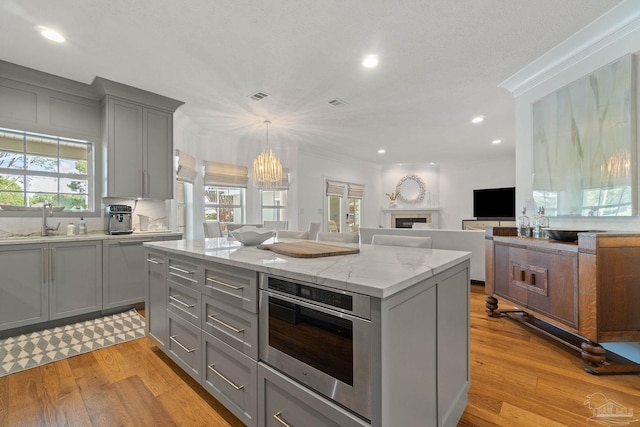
(319, 336)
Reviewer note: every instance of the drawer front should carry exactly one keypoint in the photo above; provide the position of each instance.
(236, 327)
(284, 402)
(184, 302)
(235, 286)
(231, 377)
(184, 345)
(185, 271)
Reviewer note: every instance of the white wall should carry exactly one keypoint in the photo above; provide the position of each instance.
(459, 179)
(607, 39)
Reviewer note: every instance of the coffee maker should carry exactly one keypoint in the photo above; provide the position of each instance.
(118, 219)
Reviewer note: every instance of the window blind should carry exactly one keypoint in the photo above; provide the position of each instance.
(225, 174)
(355, 191)
(186, 170)
(335, 188)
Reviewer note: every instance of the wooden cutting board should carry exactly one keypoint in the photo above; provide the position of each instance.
(308, 249)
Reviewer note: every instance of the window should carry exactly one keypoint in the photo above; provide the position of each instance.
(224, 204)
(344, 203)
(37, 169)
(274, 205)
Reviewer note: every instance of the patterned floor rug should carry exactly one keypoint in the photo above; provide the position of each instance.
(46, 346)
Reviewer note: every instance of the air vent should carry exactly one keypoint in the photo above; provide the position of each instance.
(337, 102)
(258, 96)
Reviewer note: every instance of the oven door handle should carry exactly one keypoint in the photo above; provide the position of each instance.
(304, 303)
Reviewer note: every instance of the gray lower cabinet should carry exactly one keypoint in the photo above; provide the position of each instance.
(124, 270)
(42, 282)
(156, 297)
(75, 278)
(282, 402)
(230, 377)
(24, 298)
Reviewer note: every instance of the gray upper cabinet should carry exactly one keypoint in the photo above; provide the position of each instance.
(23, 287)
(137, 134)
(75, 278)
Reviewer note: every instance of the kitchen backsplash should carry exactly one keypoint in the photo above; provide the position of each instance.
(154, 210)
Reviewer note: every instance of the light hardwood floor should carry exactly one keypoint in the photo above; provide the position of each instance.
(517, 379)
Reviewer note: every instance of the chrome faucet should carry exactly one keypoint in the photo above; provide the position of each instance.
(47, 210)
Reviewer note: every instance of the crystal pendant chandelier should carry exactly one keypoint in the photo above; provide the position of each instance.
(267, 169)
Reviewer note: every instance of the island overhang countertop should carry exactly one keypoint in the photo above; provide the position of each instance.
(378, 271)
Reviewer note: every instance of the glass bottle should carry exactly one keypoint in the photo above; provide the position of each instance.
(542, 223)
(523, 224)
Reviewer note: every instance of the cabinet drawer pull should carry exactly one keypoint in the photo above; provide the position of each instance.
(154, 261)
(228, 381)
(182, 303)
(173, 338)
(133, 242)
(52, 262)
(180, 270)
(280, 420)
(237, 331)
(235, 288)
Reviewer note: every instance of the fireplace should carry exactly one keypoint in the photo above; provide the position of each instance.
(401, 222)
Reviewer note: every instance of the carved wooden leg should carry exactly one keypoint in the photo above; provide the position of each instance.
(593, 354)
(491, 304)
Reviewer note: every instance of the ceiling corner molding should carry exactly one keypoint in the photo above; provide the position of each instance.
(610, 27)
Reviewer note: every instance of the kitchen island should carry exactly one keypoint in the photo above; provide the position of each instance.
(208, 309)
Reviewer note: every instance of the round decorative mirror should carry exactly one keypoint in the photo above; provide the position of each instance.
(410, 189)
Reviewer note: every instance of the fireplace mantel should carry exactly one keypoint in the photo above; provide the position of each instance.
(431, 214)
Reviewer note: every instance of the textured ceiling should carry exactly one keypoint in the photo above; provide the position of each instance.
(440, 64)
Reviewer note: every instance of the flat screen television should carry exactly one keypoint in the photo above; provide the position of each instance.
(495, 203)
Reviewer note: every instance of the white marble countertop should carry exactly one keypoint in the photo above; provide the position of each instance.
(18, 239)
(379, 271)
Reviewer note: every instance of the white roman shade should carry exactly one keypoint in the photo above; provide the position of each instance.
(335, 188)
(186, 170)
(355, 191)
(225, 175)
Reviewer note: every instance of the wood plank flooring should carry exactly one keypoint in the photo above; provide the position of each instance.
(517, 379)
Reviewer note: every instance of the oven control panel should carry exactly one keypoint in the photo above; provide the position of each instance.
(312, 293)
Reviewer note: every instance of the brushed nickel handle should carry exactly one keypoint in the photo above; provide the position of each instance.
(280, 420)
(182, 303)
(173, 338)
(180, 270)
(44, 265)
(148, 176)
(235, 288)
(237, 331)
(52, 260)
(133, 242)
(154, 261)
(141, 182)
(228, 381)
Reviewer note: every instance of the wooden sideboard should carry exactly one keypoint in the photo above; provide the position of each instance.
(580, 293)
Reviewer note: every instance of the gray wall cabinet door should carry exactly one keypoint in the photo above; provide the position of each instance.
(23, 286)
(124, 271)
(158, 154)
(124, 152)
(75, 278)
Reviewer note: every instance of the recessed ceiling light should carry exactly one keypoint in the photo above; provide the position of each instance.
(477, 119)
(370, 61)
(496, 141)
(432, 163)
(50, 34)
(381, 151)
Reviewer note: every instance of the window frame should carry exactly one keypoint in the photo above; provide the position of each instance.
(93, 204)
(242, 206)
(281, 211)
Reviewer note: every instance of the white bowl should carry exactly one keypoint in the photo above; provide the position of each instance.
(252, 236)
